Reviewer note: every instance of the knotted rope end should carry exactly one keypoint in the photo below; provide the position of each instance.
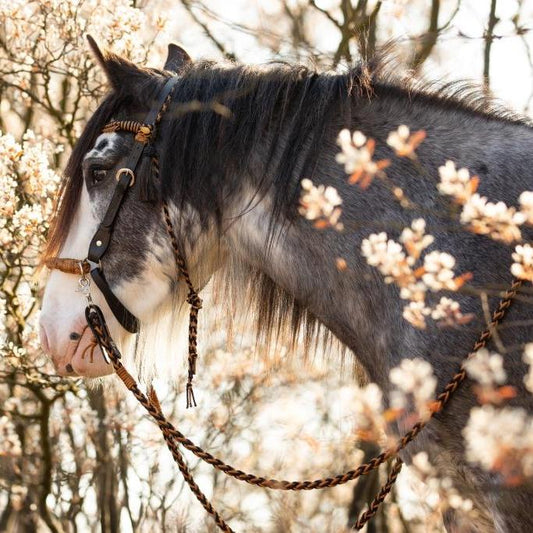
(191, 400)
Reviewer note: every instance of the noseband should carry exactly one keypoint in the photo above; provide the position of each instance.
(125, 176)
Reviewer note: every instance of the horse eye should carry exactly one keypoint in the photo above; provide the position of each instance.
(98, 175)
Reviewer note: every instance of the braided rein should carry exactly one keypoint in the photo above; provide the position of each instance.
(173, 437)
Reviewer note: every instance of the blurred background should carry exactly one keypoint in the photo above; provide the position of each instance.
(75, 458)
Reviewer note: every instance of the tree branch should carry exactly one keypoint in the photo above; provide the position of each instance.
(489, 36)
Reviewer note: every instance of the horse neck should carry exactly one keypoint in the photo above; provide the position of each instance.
(301, 261)
(356, 305)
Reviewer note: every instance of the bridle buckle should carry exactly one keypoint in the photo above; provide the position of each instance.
(124, 170)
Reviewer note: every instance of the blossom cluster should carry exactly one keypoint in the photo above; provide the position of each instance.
(320, 204)
(415, 386)
(45, 62)
(501, 440)
(494, 219)
(10, 442)
(441, 494)
(403, 265)
(368, 410)
(27, 184)
(404, 143)
(522, 266)
(486, 368)
(411, 398)
(357, 153)
(528, 359)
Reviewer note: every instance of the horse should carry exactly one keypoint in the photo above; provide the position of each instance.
(233, 146)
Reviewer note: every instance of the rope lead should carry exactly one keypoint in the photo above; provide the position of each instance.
(173, 437)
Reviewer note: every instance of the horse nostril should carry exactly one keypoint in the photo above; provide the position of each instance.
(74, 336)
(69, 368)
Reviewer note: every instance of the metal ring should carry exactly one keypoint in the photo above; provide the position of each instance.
(121, 171)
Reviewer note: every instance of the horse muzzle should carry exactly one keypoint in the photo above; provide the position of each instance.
(81, 357)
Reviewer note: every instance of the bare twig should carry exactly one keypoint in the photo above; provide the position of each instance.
(489, 37)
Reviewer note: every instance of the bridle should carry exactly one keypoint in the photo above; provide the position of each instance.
(92, 264)
(125, 176)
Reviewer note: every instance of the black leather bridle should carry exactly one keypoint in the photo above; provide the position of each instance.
(144, 134)
(125, 177)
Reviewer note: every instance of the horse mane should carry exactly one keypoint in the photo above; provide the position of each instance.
(220, 116)
(237, 112)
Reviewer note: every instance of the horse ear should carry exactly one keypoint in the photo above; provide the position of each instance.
(96, 50)
(177, 58)
(122, 74)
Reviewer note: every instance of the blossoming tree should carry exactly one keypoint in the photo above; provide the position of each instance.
(75, 458)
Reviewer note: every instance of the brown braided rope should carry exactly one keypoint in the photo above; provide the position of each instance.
(444, 397)
(194, 301)
(173, 436)
(154, 409)
(382, 494)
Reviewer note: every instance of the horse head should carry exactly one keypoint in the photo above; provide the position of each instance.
(138, 267)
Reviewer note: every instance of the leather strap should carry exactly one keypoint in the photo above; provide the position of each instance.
(101, 239)
(127, 320)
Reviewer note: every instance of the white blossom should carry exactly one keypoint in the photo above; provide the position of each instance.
(368, 411)
(486, 368)
(448, 313)
(415, 313)
(415, 238)
(413, 377)
(500, 439)
(389, 258)
(8, 436)
(522, 267)
(496, 220)
(526, 205)
(528, 359)
(438, 271)
(357, 157)
(320, 203)
(403, 142)
(456, 183)
(398, 265)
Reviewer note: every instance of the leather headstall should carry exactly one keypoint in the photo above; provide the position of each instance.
(100, 242)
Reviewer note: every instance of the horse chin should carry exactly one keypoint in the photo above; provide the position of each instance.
(87, 360)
